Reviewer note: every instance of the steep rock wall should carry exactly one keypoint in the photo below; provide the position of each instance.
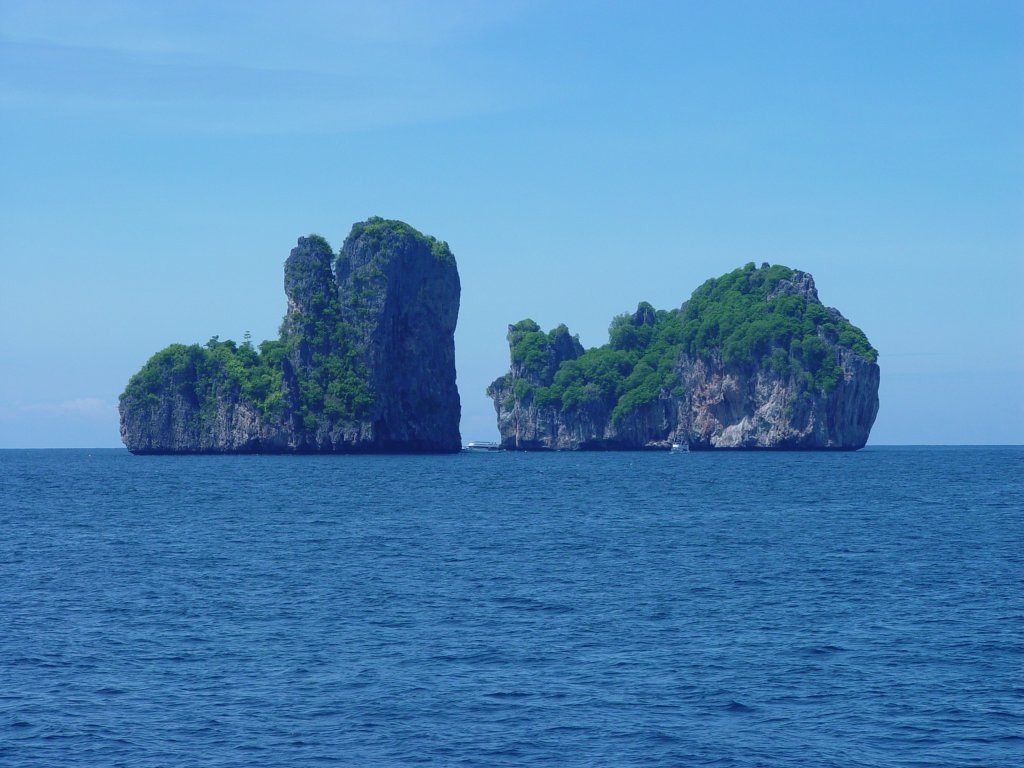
(760, 409)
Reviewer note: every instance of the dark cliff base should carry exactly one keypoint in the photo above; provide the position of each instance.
(626, 448)
(374, 451)
(591, 447)
(774, 449)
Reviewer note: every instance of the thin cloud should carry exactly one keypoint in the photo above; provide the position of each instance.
(320, 67)
(258, 31)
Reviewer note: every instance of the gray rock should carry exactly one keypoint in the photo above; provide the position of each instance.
(800, 284)
(760, 409)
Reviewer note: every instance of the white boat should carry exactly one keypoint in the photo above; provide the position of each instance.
(482, 445)
(680, 448)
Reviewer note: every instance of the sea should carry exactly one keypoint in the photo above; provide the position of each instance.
(513, 609)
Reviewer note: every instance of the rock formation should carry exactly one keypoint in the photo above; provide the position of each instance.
(752, 361)
(365, 362)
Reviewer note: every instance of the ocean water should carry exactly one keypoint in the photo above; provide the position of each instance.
(619, 609)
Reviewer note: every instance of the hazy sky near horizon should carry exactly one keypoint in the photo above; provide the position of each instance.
(161, 158)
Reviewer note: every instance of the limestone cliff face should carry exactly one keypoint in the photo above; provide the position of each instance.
(757, 409)
(401, 294)
(529, 427)
(809, 383)
(365, 361)
(179, 423)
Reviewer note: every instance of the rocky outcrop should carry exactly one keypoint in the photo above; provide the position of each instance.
(531, 423)
(365, 362)
(525, 426)
(759, 409)
(400, 293)
(178, 422)
(809, 380)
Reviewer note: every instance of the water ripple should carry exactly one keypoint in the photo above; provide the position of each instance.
(496, 610)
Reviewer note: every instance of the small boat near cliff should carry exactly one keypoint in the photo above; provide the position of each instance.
(482, 445)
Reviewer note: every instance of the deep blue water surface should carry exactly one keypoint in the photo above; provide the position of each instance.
(854, 609)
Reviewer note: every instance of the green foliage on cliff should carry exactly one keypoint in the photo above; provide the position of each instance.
(528, 345)
(747, 317)
(380, 231)
(322, 353)
(203, 375)
(223, 371)
(630, 371)
(733, 316)
(330, 373)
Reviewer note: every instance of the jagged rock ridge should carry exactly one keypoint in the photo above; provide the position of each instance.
(752, 361)
(365, 361)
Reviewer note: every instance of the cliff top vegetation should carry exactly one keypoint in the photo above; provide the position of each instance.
(380, 232)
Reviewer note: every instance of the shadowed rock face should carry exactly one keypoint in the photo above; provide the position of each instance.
(365, 361)
(400, 292)
(776, 400)
(308, 278)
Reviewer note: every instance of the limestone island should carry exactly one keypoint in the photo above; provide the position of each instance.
(365, 361)
(752, 361)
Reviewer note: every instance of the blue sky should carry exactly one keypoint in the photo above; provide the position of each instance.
(160, 159)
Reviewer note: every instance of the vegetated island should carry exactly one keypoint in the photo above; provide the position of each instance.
(365, 361)
(752, 361)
